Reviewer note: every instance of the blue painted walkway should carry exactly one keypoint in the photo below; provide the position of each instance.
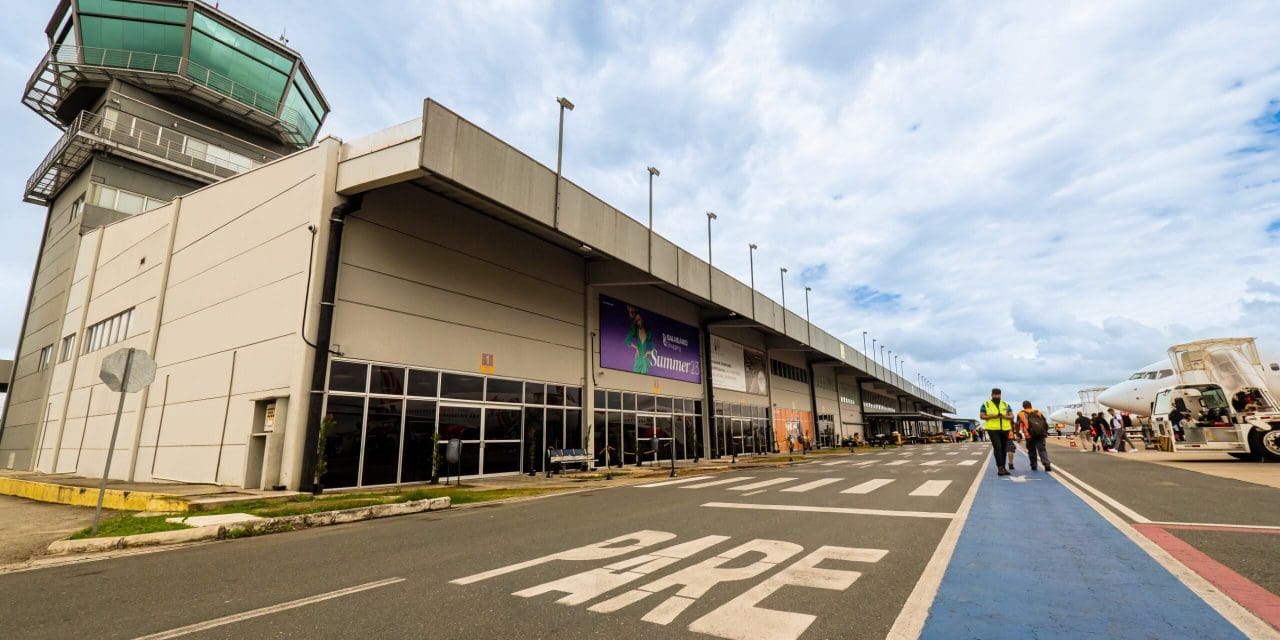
(1035, 561)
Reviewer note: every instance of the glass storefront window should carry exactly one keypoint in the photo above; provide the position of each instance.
(573, 396)
(615, 400)
(459, 422)
(387, 380)
(348, 376)
(423, 383)
(419, 426)
(644, 402)
(502, 424)
(499, 390)
(573, 429)
(555, 395)
(664, 404)
(342, 441)
(534, 449)
(535, 393)
(555, 429)
(381, 442)
(455, 386)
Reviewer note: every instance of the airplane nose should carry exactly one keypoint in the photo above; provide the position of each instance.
(1114, 397)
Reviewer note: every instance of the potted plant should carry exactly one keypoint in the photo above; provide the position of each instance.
(322, 457)
(435, 457)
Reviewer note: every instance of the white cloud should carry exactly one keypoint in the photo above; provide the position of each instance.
(1033, 195)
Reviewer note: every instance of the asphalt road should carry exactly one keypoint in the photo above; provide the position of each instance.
(832, 548)
(881, 550)
(1161, 493)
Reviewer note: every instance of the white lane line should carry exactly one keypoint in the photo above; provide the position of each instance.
(716, 483)
(762, 484)
(865, 463)
(1130, 513)
(932, 463)
(967, 463)
(841, 510)
(868, 486)
(669, 482)
(931, 488)
(1243, 619)
(275, 608)
(1218, 524)
(810, 486)
(911, 618)
(896, 463)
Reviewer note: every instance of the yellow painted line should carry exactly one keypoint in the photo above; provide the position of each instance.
(114, 499)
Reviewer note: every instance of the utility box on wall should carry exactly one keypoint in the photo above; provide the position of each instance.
(266, 444)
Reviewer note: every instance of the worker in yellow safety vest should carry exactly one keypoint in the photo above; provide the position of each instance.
(998, 420)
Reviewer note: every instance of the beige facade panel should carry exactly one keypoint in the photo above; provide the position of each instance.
(589, 219)
(665, 265)
(380, 168)
(208, 209)
(731, 294)
(632, 246)
(691, 274)
(466, 154)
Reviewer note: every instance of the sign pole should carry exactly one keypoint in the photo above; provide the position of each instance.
(111, 448)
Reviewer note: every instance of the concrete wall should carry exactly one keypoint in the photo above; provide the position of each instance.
(426, 282)
(217, 282)
(27, 401)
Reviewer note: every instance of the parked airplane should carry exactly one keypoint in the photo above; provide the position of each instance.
(1136, 394)
(1087, 404)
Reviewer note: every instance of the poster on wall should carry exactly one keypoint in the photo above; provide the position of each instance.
(639, 341)
(737, 368)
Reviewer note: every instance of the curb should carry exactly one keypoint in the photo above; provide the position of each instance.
(257, 528)
(114, 499)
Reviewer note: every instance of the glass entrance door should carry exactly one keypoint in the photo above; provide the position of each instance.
(648, 427)
(744, 436)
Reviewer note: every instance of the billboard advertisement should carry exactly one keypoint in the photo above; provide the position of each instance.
(737, 368)
(640, 341)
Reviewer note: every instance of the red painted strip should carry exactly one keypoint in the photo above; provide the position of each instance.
(1209, 527)
(1262, 603)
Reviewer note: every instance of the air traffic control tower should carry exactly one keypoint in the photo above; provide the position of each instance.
(157, 98)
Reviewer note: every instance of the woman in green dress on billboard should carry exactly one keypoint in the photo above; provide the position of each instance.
(638, 338)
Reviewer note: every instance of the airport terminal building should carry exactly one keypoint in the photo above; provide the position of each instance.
(423, 283)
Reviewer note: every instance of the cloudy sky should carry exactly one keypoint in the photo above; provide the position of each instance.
(1041, 196)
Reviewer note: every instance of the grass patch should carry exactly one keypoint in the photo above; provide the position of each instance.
(128, 525)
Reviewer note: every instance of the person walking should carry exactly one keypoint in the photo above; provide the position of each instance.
(997, 419)
(1099, 432)
(1035, 430)
(1118, 433)
(1082, 430)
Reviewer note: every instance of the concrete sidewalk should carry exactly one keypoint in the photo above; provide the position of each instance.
(74, 490)
(1218, 465)
(27, 527)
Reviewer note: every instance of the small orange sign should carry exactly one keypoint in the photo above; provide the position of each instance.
(486, 363)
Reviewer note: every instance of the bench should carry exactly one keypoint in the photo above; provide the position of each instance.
(564, 457)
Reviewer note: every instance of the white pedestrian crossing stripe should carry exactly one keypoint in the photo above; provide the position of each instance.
(967, 463)
(896, 463)
(864, 463)
(868, 486)
(932, 463)
(715, 483)
(809, 486)
(670, 482)
(760, 485)
(832, 464)
(931, 488)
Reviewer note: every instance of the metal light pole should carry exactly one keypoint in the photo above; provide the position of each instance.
(882, 361)
(710, 270)
(782, 275)
(564, 105)
(751, 257)
(873, 356)
(653, 172)
(806, 313)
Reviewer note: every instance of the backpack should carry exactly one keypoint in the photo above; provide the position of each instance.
(1037, 426)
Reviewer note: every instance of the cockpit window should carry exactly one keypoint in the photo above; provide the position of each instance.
(1275, 366)
(1141, 375)
(1166, 373)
